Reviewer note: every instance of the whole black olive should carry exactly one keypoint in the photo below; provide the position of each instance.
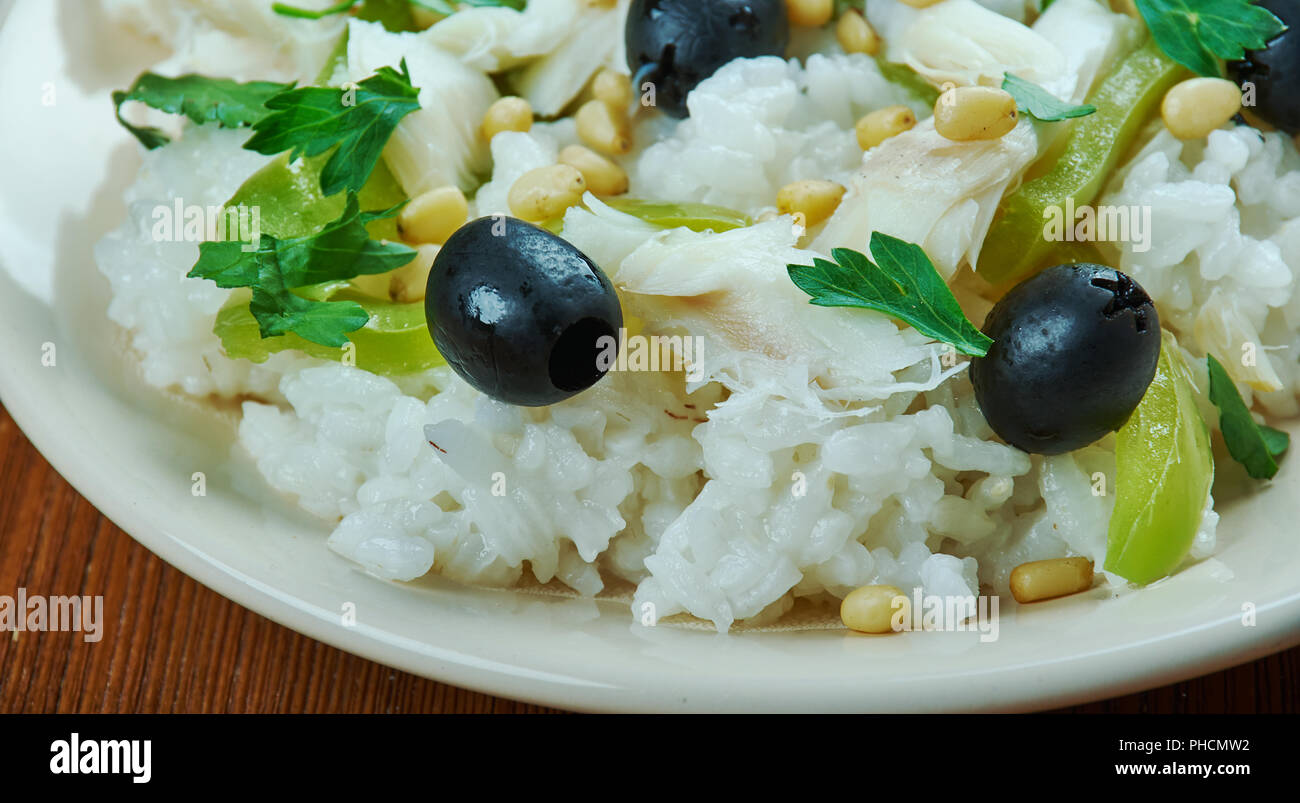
(1074, 349)
(1275, 71)
(520, 313)
(676, 44)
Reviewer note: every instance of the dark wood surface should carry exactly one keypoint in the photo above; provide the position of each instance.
(171, 645)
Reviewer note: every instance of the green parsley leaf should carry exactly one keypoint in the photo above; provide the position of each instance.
(279, 312)
(902, 282)
(1042, 105)
(1252, 445)
(1275, 440)
(359, 121)
(201, 99)
(340, 251)
(1197, 33)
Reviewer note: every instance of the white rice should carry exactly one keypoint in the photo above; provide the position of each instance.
(1225, 250)
(827, 450)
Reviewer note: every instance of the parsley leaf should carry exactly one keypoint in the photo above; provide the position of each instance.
(1253, 445)
(1275, 440)
(340, 251)
(201, 99)
(311, 120)
(279, 312)
(1197, 33)
(1041, 104)
(902, 282)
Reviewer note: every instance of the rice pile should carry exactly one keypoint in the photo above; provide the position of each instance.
(816, 450)
(1225, 248)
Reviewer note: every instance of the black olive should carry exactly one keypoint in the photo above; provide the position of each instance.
(676, 44)
(1275, 70)
(1074, 349)
(520, 313)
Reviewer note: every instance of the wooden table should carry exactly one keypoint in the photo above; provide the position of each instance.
(171, 645)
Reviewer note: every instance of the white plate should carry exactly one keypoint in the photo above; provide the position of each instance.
(132, 453)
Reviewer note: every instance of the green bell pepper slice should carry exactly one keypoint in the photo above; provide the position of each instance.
(1163, 472)
(1125, 100)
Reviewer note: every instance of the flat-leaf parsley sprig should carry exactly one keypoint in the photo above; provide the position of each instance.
(340, 251)
(1257, 447)
(358, 120)
(1197, 33)
(1040, 104)
(286, 275)
(227, 103)
(902, 282)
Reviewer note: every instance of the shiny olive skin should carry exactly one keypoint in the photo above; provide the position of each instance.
(676, 44)
(1275, 70)
(1074, 350)
(519, 313)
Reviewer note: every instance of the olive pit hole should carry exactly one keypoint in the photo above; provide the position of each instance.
(1125, 294)
(573, 362)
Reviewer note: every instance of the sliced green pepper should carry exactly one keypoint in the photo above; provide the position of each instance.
(1125, 100)
(670, 214)
(394, 15)
(338, 57)
(1163, 472)
(395, 341)
(289, 201)
(907, 78)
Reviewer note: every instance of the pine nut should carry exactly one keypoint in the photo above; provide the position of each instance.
(546, 192)
(810, 13)
(433, 216)
(871, 609)
(1197, 106)
(920, 3)
(375, 284)
(603, 176)
(507, 114)
(816, 200)
(602, 129)
(614, 89)
(1047, 579)
(969, 113)
(856, 35)
(882, 124)
(407, 284)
